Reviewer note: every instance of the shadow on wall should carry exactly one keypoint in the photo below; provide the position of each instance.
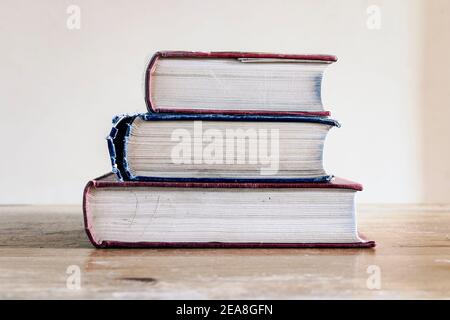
(435, 102)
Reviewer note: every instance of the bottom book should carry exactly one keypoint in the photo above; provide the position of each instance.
(195, 214)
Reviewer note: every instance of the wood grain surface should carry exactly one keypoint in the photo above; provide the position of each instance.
(39, 243)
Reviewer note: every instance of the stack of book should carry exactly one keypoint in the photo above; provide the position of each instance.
(229, 154)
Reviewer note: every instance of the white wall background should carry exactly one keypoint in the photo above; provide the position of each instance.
(60, 87)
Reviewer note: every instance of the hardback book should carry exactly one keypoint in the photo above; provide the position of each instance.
(236, 82)
(195, 214)
(219, 148)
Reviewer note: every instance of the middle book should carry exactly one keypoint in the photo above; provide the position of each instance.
(225, 148)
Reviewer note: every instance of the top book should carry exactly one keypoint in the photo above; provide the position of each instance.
(236, 83)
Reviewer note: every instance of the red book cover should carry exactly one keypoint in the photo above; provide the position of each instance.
(109, 181)
(151, 107)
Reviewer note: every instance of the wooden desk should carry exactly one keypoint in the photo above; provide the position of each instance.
(39, 243)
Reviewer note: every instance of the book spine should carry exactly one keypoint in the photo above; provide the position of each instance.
(87, 216)
(116, 141)
(147, 83)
